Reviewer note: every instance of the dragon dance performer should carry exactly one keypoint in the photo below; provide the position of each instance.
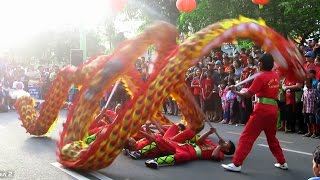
(204, 148)
(148, 147)
(263, 118)
(103, 120)
(131, 141)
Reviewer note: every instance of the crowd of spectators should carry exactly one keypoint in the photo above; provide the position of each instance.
(33, 79)
(299, 102)
(209, 80)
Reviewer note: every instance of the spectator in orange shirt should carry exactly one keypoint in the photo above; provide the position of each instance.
(226, 63)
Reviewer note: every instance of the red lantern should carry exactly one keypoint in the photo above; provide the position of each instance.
(186, 5)
(118, 5)
(261, 2)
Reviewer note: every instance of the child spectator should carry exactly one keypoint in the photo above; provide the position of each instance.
(245, 104)
(189, 77)
(196, 85)
(207, 86)
(222, 93)
(308, 110)
(312, 76)
(229, 103)
(316, 164)
(318, 111)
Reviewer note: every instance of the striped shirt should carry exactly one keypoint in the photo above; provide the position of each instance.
(309, 101)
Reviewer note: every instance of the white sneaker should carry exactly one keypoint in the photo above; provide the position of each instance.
(151, 164)
(231, 167)
(283, 166)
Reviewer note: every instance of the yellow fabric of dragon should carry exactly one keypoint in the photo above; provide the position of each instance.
(98, 75)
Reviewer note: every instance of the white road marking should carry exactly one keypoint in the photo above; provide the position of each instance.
(288, 142)
(79, 176)
(289, 150)
(69, 172)
(100, 176)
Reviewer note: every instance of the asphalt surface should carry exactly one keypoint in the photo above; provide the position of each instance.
(26, 157)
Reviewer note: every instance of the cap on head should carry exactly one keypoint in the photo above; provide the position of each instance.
(218, 62)
(310, 54)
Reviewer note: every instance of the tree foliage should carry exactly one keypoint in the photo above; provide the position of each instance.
(295, 18)
(151, 10)
(298, 19)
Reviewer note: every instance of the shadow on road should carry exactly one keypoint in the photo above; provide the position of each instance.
(38, 145)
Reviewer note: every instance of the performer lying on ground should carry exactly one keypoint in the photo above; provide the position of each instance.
(144, 148)
(147, 147)
(204, 148)
(103, 120)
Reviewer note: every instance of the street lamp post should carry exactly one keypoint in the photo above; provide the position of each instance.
(83, 42)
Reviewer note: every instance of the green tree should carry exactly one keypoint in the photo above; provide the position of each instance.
(301, 18)
(153, 10)
(295, 18)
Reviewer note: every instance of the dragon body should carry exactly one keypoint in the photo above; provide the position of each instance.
(167, 79)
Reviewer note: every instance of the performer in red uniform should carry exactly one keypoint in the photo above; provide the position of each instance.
(104, 122)
(148, 147)
(264, 116)
(103, 119)
(204, 148)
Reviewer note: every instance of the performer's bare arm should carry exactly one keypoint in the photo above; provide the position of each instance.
(159, 127)
(215, 153)
(246, 94)
(293, 87)
(205, 135)
(147, 127)
(148, 136)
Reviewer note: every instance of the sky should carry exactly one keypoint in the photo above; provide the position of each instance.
(21, 19)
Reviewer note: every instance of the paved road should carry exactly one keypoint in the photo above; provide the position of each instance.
(30, 157)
